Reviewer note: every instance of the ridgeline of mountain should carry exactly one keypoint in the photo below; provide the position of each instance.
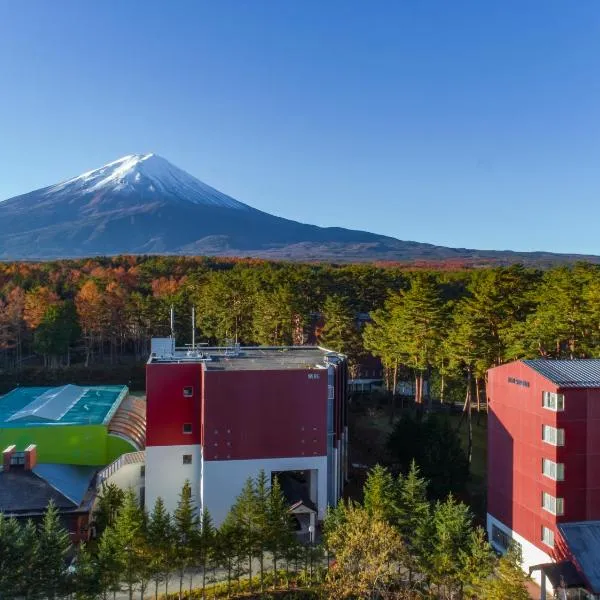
(142, 204)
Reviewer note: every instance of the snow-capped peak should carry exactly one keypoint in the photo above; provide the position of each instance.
(150, 174)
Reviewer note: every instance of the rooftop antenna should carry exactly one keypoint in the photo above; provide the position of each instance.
(172, 321)
(193, 327)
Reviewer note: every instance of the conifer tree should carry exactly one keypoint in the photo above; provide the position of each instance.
(10, 557)
(280, 536)
(87, 582)
(185, 521)
(441, 539)
(243, 516)
(130, 533)
(49, 562)
(509, 580)
(380, 495)
(205, 544)
(160, 540)
(477, 562)
(29, 551)
(109, 502)
(261, 493)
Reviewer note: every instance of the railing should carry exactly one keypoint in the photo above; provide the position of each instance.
(125, 459)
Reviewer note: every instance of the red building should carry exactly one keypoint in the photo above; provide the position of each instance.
(544, 462)
(216, 416)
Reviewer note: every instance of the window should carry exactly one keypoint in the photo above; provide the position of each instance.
(553, 436)
(553, 470)
(188, 391)
(553, 401)
(500, 537)
(552, 505)
(143, 471)
(187, 459)
(187, 428)
(548, 536)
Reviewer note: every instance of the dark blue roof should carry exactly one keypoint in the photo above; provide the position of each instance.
(583, 540)
(576, 373)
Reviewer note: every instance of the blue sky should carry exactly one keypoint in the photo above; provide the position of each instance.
(470, 124)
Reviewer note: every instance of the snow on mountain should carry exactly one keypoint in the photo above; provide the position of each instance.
(139, 173)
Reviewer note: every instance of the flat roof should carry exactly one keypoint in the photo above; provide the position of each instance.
(575, 373)
(64, 405)
(583, 540)
(252, 358)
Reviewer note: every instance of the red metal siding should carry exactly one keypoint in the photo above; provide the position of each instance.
(515, 452)
(167, 408)
(264, 414)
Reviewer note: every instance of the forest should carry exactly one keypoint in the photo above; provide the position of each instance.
(395, 543)
(446, 326)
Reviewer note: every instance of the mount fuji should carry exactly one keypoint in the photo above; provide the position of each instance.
(142, 204)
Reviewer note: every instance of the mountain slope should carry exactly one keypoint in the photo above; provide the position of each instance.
(142, 204)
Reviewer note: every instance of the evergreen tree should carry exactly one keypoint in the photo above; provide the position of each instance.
(160, 541)
(29, 553)
(261, 514)
(477, 562)
(110, 562)
(435, 446)
(10, 558)
(205, 545)
(185, 520)
(341, 332)
(412, 514)
(243, 517)
(109, 502)
(381, 495)
(369, 556)
(50, 560)
(280, 535)
(87, 582)
(441, 538)
(130, 532)
(509, 581)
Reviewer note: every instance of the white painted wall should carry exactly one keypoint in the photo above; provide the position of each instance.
(223, 480)
(532, 555)
(166, 474)
(128, 476)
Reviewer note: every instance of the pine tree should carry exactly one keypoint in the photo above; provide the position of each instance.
(87, 583)
(243, 516)
(110, 563)
(205, 545)
(509, 581)
(380, 495)
(10, 557)
(29, 553)
(109, 502)
(261, 494)
(369, 556)
(477, 562)
(280, 536)
(341, 332)
(440, 540)
(185, 520)
(50, 560)
(160, 541)
(130, 531)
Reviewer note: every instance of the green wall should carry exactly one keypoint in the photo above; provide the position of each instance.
(115, 446)
(67, 444)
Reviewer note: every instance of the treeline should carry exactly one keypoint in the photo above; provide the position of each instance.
(443, 326)
(396, 544)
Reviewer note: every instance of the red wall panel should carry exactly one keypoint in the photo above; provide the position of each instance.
(515, 452)
(264, 414)
(167, 409)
